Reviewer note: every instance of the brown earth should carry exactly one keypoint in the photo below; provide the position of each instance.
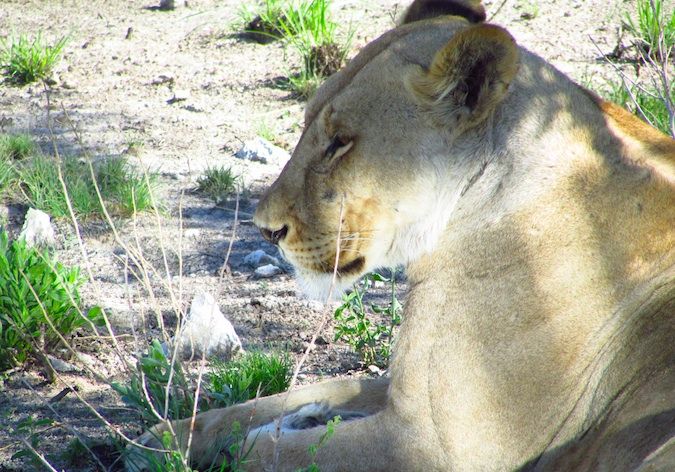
(123, 65)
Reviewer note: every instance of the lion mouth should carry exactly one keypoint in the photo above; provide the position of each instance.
(353, 267)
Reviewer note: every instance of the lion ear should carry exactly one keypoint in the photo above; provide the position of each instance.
(468, 77)
(472, 10)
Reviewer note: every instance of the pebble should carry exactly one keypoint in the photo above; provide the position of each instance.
(260, 150)
(259, 257)
(267, 271)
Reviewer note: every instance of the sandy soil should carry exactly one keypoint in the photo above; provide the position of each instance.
(121, 68)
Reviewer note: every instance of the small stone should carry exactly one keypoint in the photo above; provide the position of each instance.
(267, 271)
(207, 332)
(259, 258)
(37, 229)
(61, 366)
(86, 359)
(263, 151)
(178, 96)
(373, 369)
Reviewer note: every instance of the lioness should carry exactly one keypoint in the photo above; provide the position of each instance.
(537, 225)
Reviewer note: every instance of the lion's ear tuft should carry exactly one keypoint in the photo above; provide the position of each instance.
(472, 10)
(468, 77)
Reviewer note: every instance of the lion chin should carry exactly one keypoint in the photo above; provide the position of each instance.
(325, 287)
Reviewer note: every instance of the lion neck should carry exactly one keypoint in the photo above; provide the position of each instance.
(537, 274)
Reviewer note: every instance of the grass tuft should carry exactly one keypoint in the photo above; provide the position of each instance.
(239, 380)
(15, 147)
(124, 191)
(24, 60)
(653, 29)
(218, 183)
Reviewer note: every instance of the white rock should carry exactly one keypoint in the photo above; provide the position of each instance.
(260, 257)
(267, 271)
(263, 151)
(61, 366)
(206, 331)
(37, 229)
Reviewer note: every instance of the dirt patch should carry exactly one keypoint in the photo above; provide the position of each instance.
(176, 92)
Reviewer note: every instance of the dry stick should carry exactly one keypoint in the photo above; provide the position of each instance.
(193, 418)
(64, 422)
(624, 80)
(139, 262)
(217, 297)
(40, 457)
(312, 342)
(74, 390)
(497, 10)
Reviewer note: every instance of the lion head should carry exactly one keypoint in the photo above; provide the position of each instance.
(370, 183)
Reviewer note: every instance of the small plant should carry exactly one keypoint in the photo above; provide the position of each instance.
(307, 28)
(24, 61)
(218, 183)
(242, 379)
(150, 392)
(126, 190)
(30, 431)
(371, 340)
(32, 287)
(263, 23)
(15, 147)
(653, 29)
(314, 448)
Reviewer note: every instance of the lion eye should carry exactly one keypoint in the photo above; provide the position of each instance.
(337, 147)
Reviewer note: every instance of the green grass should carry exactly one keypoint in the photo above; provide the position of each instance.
(651, 23)
(33, 286)
(218, 183)
(239, 380)
(262, 21)
(308, 29)
(147, 390)
(15, 147)
(124, 190)
(25, 60)
(647, 104)
(354, 324)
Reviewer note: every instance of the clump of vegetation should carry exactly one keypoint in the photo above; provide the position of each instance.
(39, 302)
(255, 373)
(653, 29)
(159, 388)
(15, 147)
(123, 190)
(218, 183)
(646, 103)
(24, 60)
(371, 340)
(307, 28)
(262, 23)
(651, 95)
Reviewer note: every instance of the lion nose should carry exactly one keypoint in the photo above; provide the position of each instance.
(274, 236)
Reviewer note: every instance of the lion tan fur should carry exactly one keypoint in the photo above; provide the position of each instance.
(537, 226)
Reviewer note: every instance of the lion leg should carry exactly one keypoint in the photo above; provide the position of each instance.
(365, 444)
(212, 431)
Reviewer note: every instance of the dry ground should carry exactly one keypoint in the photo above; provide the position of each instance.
(121, 68)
